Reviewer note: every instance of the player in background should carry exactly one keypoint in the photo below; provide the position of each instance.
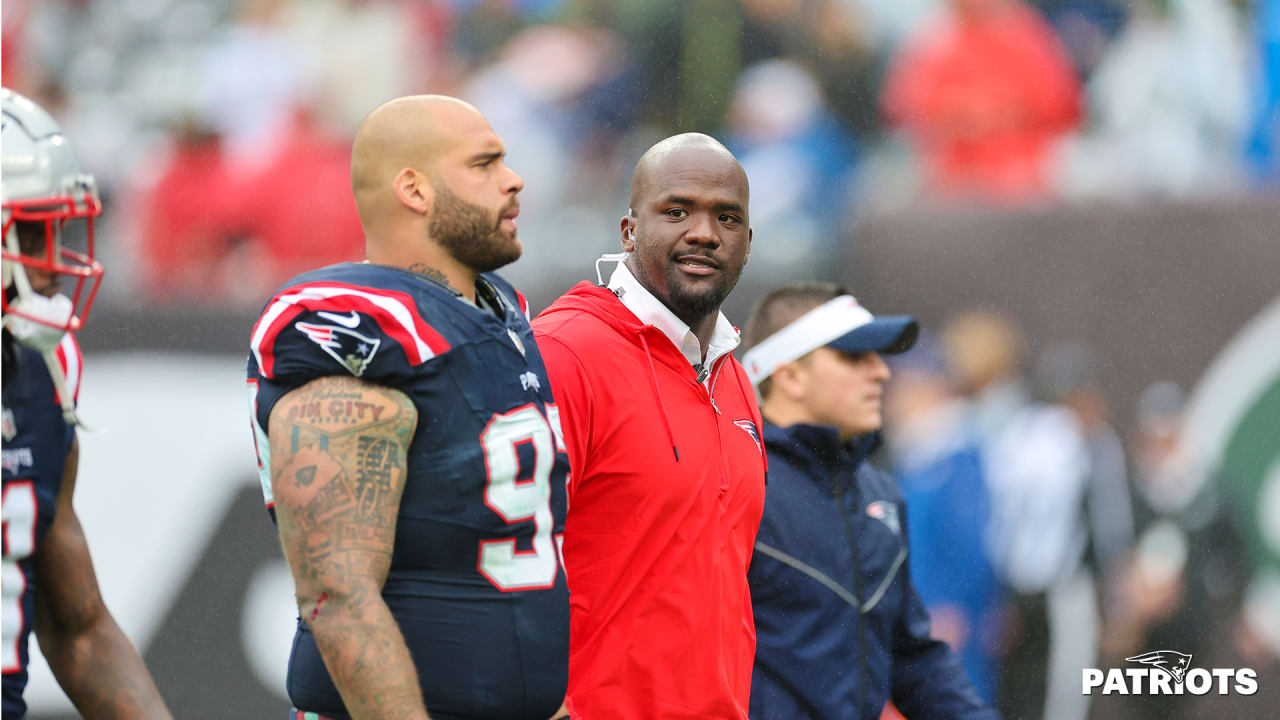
(410, 450)
(48, 578)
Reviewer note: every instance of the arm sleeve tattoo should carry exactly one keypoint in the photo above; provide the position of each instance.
(339, 449)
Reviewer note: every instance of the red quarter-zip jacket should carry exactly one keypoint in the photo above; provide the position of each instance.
(666, 490)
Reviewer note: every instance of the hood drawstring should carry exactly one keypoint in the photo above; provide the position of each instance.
(662, 407)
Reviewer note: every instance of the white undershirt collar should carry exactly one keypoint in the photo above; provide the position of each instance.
(651, 311)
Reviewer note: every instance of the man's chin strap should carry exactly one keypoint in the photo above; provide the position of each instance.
(45, 338)
(60, 384)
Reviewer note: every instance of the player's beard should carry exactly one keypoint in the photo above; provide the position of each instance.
(470, 233)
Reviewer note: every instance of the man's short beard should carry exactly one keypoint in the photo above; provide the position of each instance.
(470, 233)
(691, 306)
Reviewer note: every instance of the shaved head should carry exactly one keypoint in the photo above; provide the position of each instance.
(688, 233)
(682, 149)
(411, 131)
(432, 188)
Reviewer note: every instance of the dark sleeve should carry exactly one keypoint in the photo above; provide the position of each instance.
(927, 680)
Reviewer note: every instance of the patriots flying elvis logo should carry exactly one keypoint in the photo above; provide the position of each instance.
(750, 428)
(352, 350)
(1168, 672)
(887, 513)
(1175, 663)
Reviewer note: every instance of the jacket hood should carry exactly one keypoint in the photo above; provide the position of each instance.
(600, 302)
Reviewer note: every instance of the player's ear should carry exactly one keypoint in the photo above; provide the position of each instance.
(628, 227)
(789, 380)
(413, 191)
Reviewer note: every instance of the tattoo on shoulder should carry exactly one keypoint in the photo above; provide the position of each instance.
(338, 466)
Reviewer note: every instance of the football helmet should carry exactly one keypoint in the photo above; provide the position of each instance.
(43, 188)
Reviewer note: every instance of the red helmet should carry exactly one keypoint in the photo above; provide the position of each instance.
(43, 188)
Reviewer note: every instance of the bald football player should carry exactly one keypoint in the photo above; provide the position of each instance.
(409, 447)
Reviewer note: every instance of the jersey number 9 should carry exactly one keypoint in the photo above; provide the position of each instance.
(517, 499)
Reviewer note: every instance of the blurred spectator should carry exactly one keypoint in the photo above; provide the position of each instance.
(1086, 28)
(187, 218)
(1184, 585)
(1263, 149)
(895, 20)
(537, 94)
(938, 463)
(798, 158)
(363, 52)
(984, 93)
(13, 25)
(253, 77)
(1169, 106)
(1065, 375)
(1037, 467)
(299, 210)
(836, 40)
(212, 234)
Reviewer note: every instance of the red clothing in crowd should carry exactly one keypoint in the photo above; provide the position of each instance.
(666, 491)
(984, 95)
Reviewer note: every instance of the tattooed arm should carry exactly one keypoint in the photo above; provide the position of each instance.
(338, 454)
(92, 659)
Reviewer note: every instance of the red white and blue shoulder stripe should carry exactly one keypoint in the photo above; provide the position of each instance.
(71, 360)
(395, 312)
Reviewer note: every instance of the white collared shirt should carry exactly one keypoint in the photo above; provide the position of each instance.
(651, 311)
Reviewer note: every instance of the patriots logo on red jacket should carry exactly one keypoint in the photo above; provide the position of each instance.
(750, 428)
(352, 350)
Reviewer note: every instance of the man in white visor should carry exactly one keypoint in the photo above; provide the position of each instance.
(840, 628)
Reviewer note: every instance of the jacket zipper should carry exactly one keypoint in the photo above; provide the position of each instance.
(711, 395)
(839, 495)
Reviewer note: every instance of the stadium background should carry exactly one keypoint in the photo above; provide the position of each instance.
(1101, 172)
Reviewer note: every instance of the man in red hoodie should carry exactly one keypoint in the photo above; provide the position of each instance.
(667, 481)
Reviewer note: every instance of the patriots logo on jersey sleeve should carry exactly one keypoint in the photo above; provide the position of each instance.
(352, 350)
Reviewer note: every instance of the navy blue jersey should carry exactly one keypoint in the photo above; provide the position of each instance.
(474, 583)
(36, 442)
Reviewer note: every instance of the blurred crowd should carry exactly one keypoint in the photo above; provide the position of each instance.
(1043, 542)
(219, 129)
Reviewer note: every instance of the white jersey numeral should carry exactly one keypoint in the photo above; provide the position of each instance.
(517, 494)
(20, 508)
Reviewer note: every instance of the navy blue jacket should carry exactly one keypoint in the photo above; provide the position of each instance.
(839, 632)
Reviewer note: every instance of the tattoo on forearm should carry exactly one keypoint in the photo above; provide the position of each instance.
(305, 476)
(338, 460)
